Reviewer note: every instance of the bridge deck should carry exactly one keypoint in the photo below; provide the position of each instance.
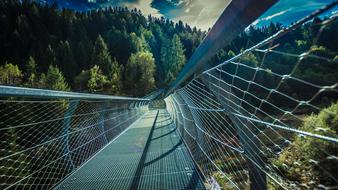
(149, 155)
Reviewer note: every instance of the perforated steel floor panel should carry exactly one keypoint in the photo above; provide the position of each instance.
(146, 156)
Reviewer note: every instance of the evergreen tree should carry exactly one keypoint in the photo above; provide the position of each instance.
(101, 56)
(172, 58)
(138, 43)
(31, 72)
(139, 74)
(63, 38)
(296, 157)
(97, 81)
(49, 58)
(54, 80)
(81, 80)
(116, 78)
(10, 74)
(83, 53)
(65, 60)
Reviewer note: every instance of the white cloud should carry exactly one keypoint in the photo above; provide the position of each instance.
(276, 14)
(269, 17)
(145, 7)
(201, 13)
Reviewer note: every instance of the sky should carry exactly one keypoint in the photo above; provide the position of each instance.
(204, 13)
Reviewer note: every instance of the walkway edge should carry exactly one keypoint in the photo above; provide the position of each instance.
(124, 131)
(137, 176)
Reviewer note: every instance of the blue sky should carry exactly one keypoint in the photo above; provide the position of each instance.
(204, 13)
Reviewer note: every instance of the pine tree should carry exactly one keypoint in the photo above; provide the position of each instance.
(49, 58)
(80, 81)
(10, 74)
(31, 72)
(115, 77)
(97, 81)
(138, 43)
(139, 74)
(172, 58)
(65, 60)
(101, 56)
(54, 80)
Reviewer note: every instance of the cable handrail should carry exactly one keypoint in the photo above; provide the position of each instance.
(13, 91)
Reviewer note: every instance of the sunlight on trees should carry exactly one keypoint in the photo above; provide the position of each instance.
(54, 80)
(172, 58)
(10, 74)
(307, 157)
(31, 72)
(139, 73)
(97, 81)
(101, 56)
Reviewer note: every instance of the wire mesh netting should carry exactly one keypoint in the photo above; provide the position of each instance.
(42, 141)
(269, 113)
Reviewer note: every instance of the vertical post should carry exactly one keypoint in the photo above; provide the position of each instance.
(194, 117)
(102, 120)
(121, 117)
(66, 127)
(249, 141)
(135, 110)
(186, 112)
(177, 114)
(184, 115)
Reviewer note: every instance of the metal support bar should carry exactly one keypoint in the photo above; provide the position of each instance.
(190, 124)
(235, 18)
(196, 119)
(12, 91)
(66, 127)
(102, 118)
(249, 141)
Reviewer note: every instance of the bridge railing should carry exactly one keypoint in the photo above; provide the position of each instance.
(266, 118)
(46, 135)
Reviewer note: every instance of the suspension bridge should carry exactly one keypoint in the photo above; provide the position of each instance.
(225, 126)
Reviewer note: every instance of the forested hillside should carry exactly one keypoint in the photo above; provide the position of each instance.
(114, 51)
(122, 52)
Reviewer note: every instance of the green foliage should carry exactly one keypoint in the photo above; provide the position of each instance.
(231, 54)
(116, 78)
(10, 74)
(77, 41)
(172, 58)
(30, 66)
(301, 45)
(94, 80)
(97, 81)
(65, 59)
(307, 157)
(101, 56)
(49, 57)
(31, 72)
(138, 43)
(81, 80)
(54, 80)
(139, 74)
(318, 71)
(249, 59)
(20, 161)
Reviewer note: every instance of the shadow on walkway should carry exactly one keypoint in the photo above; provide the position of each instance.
(194, 177)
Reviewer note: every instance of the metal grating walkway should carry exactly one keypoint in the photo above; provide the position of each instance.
(149, 155)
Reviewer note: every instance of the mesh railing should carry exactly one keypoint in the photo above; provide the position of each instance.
(46, 135)
(268, 117)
